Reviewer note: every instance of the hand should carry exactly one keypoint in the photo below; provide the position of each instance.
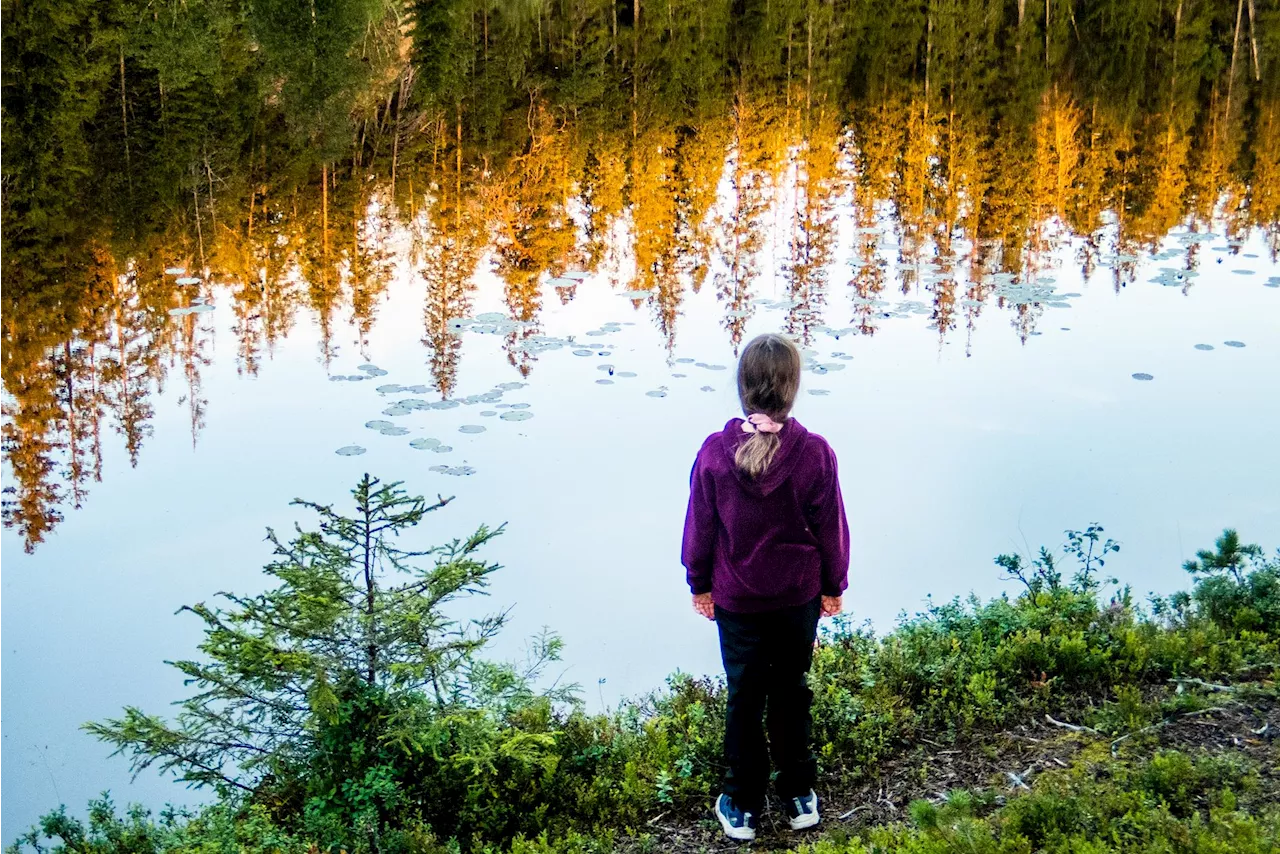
(703, 605)
(832, 605)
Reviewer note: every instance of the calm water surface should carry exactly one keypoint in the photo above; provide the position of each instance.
(953, 448)
(1015, 322)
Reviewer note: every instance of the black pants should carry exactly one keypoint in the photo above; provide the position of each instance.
(766, 658)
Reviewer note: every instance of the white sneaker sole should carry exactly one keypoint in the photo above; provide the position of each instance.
(808, 820)
(737, 834)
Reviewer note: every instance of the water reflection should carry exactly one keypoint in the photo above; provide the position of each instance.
(652, 153)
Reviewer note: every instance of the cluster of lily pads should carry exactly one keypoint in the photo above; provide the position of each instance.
(1237, 345)
(524, 339)
(408, 405)
(199, 305)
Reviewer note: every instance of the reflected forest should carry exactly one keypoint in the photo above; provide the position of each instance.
(160, 154)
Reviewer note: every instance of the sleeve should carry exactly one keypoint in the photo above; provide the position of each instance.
(699, 530)
(831, 528)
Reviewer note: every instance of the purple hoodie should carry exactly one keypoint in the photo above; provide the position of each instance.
(760, 545)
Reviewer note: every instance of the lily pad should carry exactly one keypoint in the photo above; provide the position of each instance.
(626, 375)
(179, 312)
(604, 382)
(684, 360)
(390, 388)
(657, 392)
(1143, 377)
(516, 415)
(396, 410)
(1236, 344)
(459, 471)
(708, 388)
(440, 469)
(442, 449)
(471, 428)
(583, 352)
(378, 425)
(174, 271)
(637, 295)
(1204, 346)
(424, 444)
(510, 386)
(394, 431)
(349, 451)
(518, 406)
(819, 392)
(491, 317)
(368, 367)
(488, 413)
(187, 280)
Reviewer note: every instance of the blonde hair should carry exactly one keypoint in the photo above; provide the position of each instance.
(768, 381)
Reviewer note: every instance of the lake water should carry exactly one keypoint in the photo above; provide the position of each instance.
(547, 329)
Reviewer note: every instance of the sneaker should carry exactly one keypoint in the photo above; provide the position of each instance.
(802, 812)
(737, 824)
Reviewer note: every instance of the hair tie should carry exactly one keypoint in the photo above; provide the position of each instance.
(758, 422)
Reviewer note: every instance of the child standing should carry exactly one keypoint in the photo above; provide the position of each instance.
(766, 546)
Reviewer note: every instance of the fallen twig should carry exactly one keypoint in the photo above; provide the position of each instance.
(1261, 665)
(1073, 727)
(1200, 683)
(1115, 744)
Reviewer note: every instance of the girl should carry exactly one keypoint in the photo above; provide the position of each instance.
(766, 546)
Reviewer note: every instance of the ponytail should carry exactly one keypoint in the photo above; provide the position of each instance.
(754, 455)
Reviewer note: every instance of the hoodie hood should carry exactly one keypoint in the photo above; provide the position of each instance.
(784, 461)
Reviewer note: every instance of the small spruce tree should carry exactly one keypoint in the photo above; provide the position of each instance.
(315, 697)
